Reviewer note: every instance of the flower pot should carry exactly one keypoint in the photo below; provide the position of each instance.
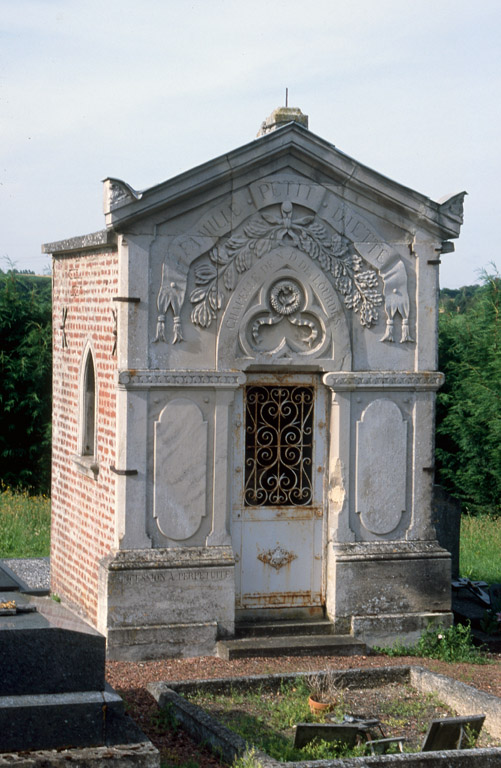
(318, 707)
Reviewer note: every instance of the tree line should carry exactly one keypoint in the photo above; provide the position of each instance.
(468, 430)
(25, 388)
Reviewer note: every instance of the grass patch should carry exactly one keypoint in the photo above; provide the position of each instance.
(480, 545)
(24, 524)
(454, 644)
(266, 719)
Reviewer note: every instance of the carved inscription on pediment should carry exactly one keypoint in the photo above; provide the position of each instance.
(353, 280)
(363, 269)
(284, 310)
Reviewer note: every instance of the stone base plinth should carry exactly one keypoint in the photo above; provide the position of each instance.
(387, 591)
(383, 630)
(166, 602)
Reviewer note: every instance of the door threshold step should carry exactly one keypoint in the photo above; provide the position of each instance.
(283, 627)
(302, 645)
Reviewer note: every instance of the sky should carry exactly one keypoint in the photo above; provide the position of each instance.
(146, 90)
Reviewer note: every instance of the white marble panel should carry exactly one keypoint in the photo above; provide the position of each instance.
(180, 469)
(381, 467)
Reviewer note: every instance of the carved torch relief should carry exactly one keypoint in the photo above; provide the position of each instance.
(217, 271)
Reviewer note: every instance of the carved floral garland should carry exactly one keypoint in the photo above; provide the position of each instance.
(263, 234)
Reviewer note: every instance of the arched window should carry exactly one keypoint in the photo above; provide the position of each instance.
(86, 456)
(89, 408)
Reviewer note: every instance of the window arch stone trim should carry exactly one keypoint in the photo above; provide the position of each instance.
(88, 397)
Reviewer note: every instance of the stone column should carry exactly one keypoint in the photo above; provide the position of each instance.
(338, 527)
(131, 470)
(221, 496)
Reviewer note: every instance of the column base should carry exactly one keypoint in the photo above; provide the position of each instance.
(166, 602)
(382, 592)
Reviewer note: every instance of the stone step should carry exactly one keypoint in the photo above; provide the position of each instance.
(287, 645)
(283, 627)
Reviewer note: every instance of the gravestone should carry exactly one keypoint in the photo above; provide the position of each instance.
(446, 516)
(53, 692)
(245, 376)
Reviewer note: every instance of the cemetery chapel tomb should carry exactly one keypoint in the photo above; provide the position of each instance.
(245, 369)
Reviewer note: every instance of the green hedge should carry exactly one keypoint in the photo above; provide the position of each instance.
(25, 370)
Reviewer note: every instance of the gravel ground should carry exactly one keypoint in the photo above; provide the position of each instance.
(34, 571)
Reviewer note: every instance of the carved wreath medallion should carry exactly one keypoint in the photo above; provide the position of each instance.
(266, 231)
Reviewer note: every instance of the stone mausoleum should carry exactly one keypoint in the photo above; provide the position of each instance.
(245, 368)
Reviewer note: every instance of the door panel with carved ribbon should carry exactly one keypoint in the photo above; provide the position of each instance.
(277, 519)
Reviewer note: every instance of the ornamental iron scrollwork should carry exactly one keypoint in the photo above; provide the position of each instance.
(278, 446)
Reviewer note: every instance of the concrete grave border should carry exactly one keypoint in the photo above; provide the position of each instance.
(463, 698)
(140, 755)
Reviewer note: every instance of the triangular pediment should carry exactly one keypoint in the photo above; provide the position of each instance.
(294, 149)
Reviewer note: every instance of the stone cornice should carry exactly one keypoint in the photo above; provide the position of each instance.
(105, 238)
(178, 557)
(161, 379)
(299, 144)
(347, 381)
(388, 550)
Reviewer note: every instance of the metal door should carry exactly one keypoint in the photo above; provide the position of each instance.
(278, 495)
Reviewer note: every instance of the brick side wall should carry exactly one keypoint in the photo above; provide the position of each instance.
(83, 520)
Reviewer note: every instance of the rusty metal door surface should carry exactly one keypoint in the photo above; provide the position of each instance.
(278, 493)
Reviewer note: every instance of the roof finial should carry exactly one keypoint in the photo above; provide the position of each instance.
(282, 116)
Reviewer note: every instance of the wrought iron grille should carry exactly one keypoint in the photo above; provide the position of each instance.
(278, 446)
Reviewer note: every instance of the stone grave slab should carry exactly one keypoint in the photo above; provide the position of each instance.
(48, 654)
(54, 694)
(453, 733)
(7, 582)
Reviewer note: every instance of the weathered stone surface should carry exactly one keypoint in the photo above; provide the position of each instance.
(175, 603)
(64, 720)
(91, 241)
(140, 755)
(381, 483)
(281, 261)
(49, 653)
(182, 640)
(180, 482)
(465, 699)
(280, 117)
(377, 582)
(384, 629)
